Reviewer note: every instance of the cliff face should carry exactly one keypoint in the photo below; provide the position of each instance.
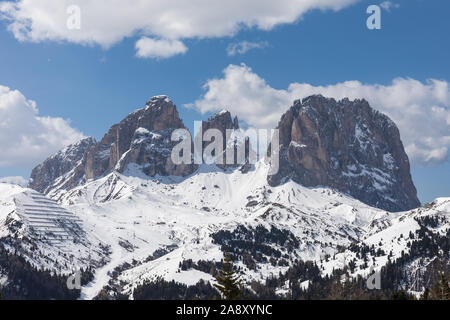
(143, 139)
(222, 121)
(69, 160)
(348, 146)
(237, 140)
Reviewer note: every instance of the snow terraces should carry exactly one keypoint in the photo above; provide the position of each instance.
(48, 221)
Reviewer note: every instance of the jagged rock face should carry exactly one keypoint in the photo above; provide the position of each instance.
(152, 151)
(348, 146)
(71, 158)
(223, 122)
(142, 138)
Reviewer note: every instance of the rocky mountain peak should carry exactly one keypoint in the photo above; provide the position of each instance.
(158, 102)
(159, 98)
(345, 145)
(69, 159)
(153, 125)
(348, 146)
(143, 138)
(222, 121)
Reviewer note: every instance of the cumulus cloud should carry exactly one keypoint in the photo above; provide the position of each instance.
(25, 137)
(245, 46)
(152, 48)
(420, 109)
(106, 22)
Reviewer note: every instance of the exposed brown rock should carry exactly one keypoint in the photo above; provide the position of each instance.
(69, 160)
(223, 122)
(142, 139)
(348, 146)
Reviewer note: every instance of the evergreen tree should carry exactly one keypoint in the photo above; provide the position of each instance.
(337, 289)
(441, 290)
(425, 295)
(402, 295)
(229, 282)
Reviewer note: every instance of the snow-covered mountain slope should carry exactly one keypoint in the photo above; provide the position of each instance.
(47, 235)
(152, 226)
(415, 239)
(184, 219)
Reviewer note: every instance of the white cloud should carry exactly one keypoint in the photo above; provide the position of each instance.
(244, 93)
(387, 5)
(106, 22)
(421, 110)
(151, 48)
(25, 137)
(245, 46)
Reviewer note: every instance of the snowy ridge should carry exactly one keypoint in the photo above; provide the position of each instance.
(148, 214)
(184, 214)
(152, 225)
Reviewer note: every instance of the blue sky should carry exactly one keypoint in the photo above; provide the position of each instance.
(94, 86)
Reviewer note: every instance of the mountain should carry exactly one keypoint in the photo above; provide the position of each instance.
(143, 139)
(348, 146)
(65, 169)
(40, 241)
(233, 139)
(178, 228)
(121, 207)
(221, 121)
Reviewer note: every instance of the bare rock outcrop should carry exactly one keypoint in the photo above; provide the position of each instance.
(141, 141)
(224, 122)
(142, 138)
(69, 161)
(348, 146)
